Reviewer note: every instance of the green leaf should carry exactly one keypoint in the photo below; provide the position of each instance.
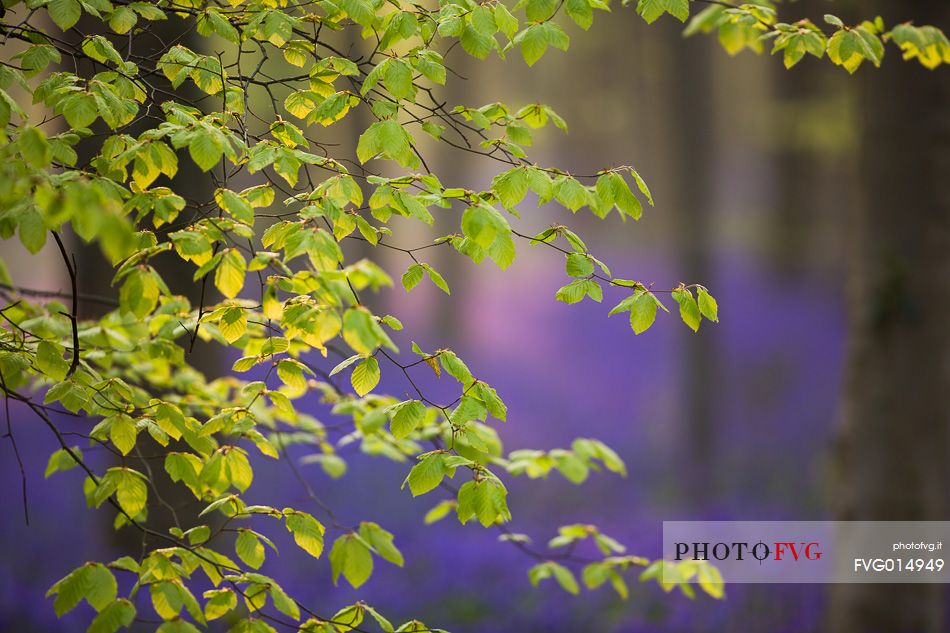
(351, 557)
(650, 10)
(440, 511)
(168, 598)
(220, 603)
(468, 409)
(387, 139)
(211, 22)
(229, 275)
(927, 44)
(642, 312)
(689, 309)
(383, 623)
(707, 305)
(80, 110)
(122, 20)
(49, 360)
(426, 475)
(433, 129)
(511, 186)
(550, 569)
(849, 48)
(307, 531)
(391, 322)
(484, 500)
(533, 44)
(437, 279)
(346, 619)
(284, 603)
(624, 305)
(346, 363)
(205, 150)
(535, 39)
(69, 591)
(575, 291)
(581, 12)
(573, 468)
(398, 79)
(367, 231)
(506, 22)
(642, 186)
(123, 433)
(574, 240)
(571, 193)
(493, 403)
(455, 367)
(37, 57)
(412, 276)
(118, 614)
(100, 49)
(93, 582)
(613, 189)
(34, 147)
(237, 469)
(478, 33)
(579, 265)
(366, 376)
(32, 231)
(65, 13)
(249, 548)
(184, 467)
(381, 542)
(406, 417)
(833, 20)
(62, 460)
(101, 589)
(234, 204)
(149, 12)
(360, 11)
(360, 331)
(228, 505)
(233, 324)
(565, 578)
(291, 373)
(139, 293)
(502, 250)
(131, 490)
(479, 224)
(540, 10)
(595, 449)
(184, 626)
(710, 579)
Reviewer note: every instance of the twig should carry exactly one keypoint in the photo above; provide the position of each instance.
(16, 450)
(71, 268)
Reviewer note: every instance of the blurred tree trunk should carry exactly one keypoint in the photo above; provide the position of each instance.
(95, 273)
(692, 140)
(892, 456)
(794, 218)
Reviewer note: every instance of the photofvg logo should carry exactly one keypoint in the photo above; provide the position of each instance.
(808, 551)
(742, 550)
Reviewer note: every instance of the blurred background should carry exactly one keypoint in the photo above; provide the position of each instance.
(810, 203)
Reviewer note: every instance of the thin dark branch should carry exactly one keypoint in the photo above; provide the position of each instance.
(55, 294)
(73, 316)
(16, 450)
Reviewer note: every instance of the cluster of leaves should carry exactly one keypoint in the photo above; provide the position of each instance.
(129, 107)
(752, 25)
(615, 562)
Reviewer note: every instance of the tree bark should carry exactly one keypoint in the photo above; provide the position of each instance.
(691, 136)
(892, 454)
